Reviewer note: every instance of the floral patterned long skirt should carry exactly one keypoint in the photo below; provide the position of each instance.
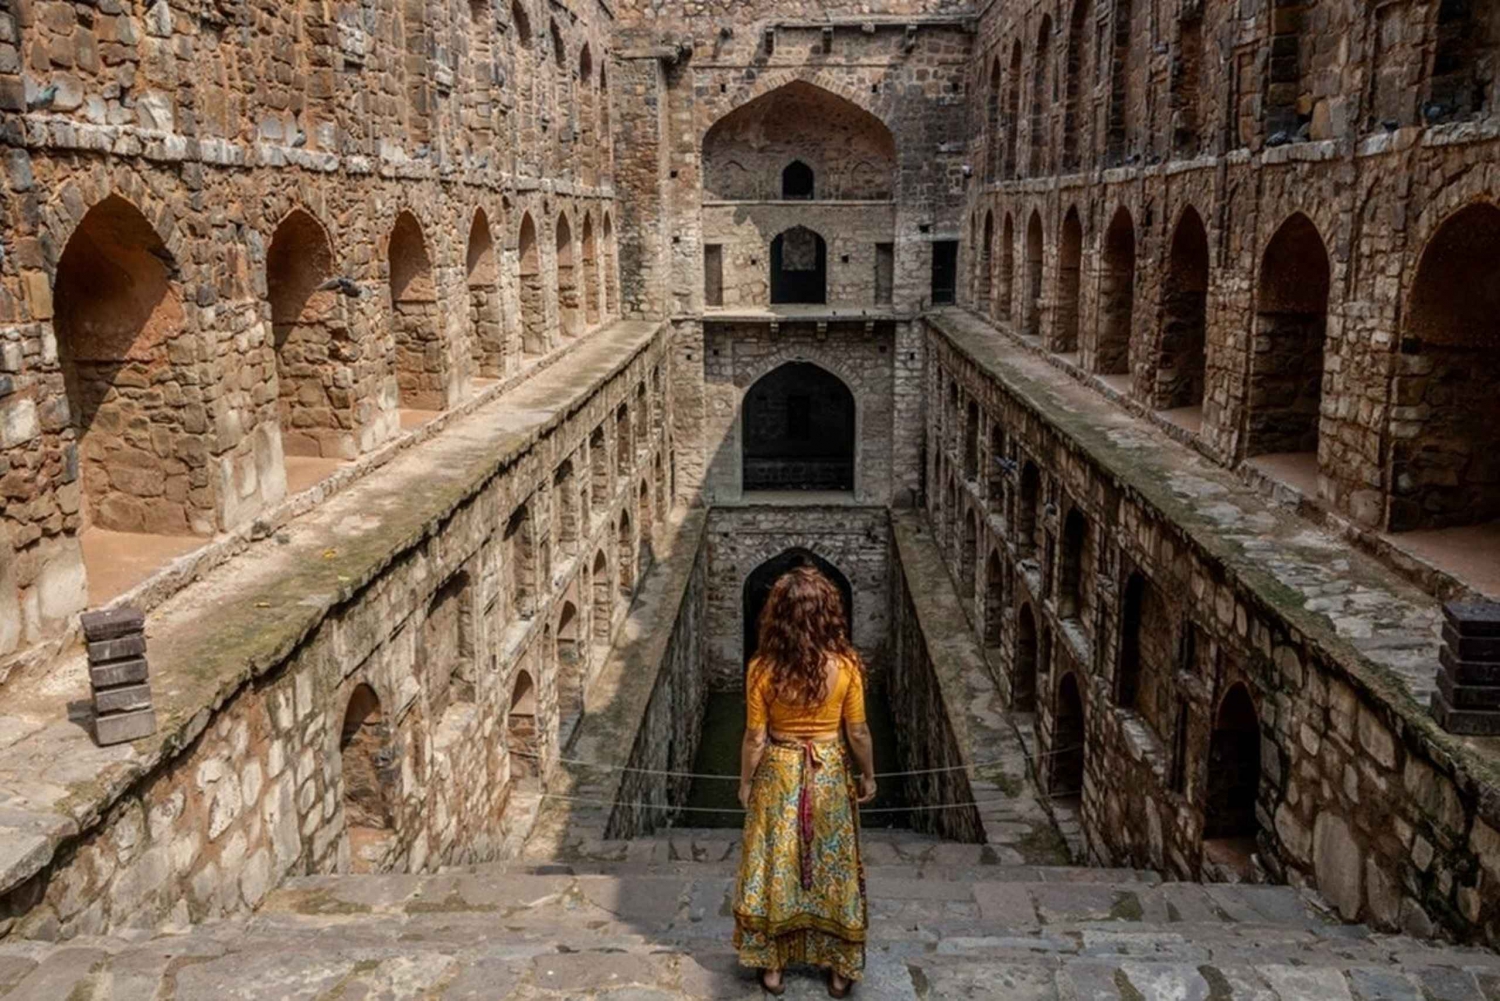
(800, 897)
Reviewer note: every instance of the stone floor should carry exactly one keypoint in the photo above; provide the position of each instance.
(947, 921)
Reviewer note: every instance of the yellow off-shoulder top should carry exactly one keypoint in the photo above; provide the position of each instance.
(845, 703)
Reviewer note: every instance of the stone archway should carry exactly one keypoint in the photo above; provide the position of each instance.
(798, 425)
(757, 588)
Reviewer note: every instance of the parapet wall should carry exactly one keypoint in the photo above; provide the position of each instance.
(380, 687)
(1247, 695)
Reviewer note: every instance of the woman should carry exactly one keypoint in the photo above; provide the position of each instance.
(800, 897)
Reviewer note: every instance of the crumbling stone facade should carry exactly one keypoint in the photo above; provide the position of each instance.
(221, 253)
(1201, 218)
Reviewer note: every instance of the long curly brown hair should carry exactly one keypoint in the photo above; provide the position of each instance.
(802, 624)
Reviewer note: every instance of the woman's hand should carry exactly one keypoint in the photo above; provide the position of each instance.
(866, 789)
(745, 788)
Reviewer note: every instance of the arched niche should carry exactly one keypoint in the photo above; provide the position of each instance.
(797, 123)
(798, 425)
(758, 586)
(799, 267)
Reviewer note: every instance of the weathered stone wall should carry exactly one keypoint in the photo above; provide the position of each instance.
(860, 355)
(463, 587)
(1204, 598)
(1180, 157)
(855, 540)
(666, 739)
(926, 743)
(183, 182)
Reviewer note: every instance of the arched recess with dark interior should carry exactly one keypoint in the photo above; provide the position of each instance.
(798, 182)
(1120, 135)
(625, 557)
(118, 310)
(1286, 96)
(986, 282)
(763, 149)
(968, 555)
(604, 599)
(1463, 82)
(1069, 267)
(798, 431)
(799, 267)
(1116, 297)
(992, 116)
(567, 281)
(994, 602)
(534, 340)
(971, 442)
(590, 273)
(1448, 474)
(522, 734)
(567, 517)
(758, 585)
(1181, 363)
(646, 522)
(571, 663)
(1078, 68)
(1006, 304)
(519, 544)
(1031, 307)
(311, 340)
(1286, 361)
(1186, 83)
(624, 441)
(590, 144)
(369, 773)
(1012, 109)
(1065, 777)
(995, 488)
(598, 469)
(611, 269)
(1028, 507)
(1023, 666)
(1073, 569)
(486, 332)
(414, 318)
(447, 649)
(1146, 652)
(1041, 100)
(1229, 824)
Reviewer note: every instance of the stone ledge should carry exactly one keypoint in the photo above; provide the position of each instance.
(1385, 643)
(214, 552)
(244, 619)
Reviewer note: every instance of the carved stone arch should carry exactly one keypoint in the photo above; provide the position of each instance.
(820, 78)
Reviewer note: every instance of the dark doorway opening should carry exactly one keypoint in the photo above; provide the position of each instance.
(758, 588)
(798, 431)
(799, 268)
(797, 182)
(944, 272)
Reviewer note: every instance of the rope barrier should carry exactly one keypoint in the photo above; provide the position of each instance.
(971, 804)
(575, 762)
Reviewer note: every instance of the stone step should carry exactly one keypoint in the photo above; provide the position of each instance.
(454, 955)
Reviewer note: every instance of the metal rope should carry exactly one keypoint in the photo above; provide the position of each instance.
(975, 804)
(723, 777)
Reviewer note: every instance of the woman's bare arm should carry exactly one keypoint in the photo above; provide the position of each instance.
(751, 750)
(863, 747)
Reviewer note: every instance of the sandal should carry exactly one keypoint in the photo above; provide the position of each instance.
(778, 990)
(839, 992)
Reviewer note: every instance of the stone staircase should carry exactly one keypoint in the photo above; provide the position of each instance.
(649, 920)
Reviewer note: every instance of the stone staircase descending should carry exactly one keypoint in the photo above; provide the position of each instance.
(649, 920)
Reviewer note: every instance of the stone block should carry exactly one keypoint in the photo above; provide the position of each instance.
(123, 672)
(121, 727)
(1473, 618)
(112, 623)
(103, 651)
(125, 698)
(1467, 722)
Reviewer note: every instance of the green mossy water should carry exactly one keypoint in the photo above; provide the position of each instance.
(719, 754)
